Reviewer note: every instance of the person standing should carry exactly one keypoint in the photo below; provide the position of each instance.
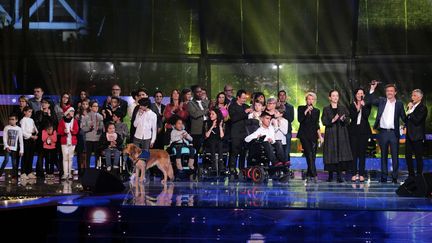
(289, 116)
(336, 152)
(13, 145)
(68, 129)
(146, 125)
(415, 132)
(36, 101)
(198, 114)
(390, 112)
(309, 132)
(92, 127)
(159, 108)
(115, 92)
(30, 135)
(359, 132)
(238, 112)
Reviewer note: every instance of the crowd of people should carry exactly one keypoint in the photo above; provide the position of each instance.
(192, 120)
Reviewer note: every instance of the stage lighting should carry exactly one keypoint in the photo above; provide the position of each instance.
(99, 216)
(67, 209)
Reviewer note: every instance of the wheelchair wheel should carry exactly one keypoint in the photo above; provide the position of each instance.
(258, 174)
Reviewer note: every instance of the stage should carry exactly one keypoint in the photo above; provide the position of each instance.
(221, 210)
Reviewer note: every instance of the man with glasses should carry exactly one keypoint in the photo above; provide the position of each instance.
(115, 92)
(159, 108)
(229, 97)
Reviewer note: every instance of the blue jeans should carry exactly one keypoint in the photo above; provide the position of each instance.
(112, 152)
(14, 156)
(288, 147)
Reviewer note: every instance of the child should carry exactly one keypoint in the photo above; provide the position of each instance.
(179, 139)
(92, 126)
(120, 127)
(12, 137)
(30, 132)
(110, 144)
(214, 137)
(280, 125)
(49, 140)
(68, 129)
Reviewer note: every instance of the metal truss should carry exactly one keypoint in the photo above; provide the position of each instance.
(14, 16)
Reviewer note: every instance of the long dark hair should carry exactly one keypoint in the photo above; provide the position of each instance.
(171, 96)
(217, 98)
(355, 93)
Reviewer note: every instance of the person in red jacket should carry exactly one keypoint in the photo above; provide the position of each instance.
(67, 130)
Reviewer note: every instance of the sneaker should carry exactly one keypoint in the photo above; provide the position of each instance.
(64, 177)
(31, 176)
(109, 168)
(23, 176)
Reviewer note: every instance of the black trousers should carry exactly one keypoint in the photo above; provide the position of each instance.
(358, 149)
(388, 138)
(50, 156)
(216, 146)
(237, 148)
(91, 147)
(417, 148)
(197, 141)
(159, 143)
(310, 150)
(27, 159)
(39, 151)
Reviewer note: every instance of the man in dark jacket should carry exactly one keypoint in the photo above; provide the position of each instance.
(238, 112)
(390, 112)
(289, 116)
(415, 132)
(198, 114)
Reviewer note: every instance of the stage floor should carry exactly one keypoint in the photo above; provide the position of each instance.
(227, 211)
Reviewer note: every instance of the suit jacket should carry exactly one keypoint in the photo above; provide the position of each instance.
(238, 118)
(364, 126)
(381, 102)
(160, 117)
(309, 124)
(416, 123)
(196, 116)
(289, 115)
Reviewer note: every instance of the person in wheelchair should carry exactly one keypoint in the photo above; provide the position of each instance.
(110, 145)
(266, 135)
(180, 139)
(214, 134)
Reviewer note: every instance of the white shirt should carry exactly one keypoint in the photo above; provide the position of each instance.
(28, 127)
(359, 116)
(412, 109)
(146, 125)
(68, 126)
(281, 130)
(269, 132)
(131, 108)
(12, 137)
(202, 108)
(387, 118)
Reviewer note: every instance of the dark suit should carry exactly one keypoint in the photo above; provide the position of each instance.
(388, 137)
(159, 144)
(359, 136)
(289, 115)
(309, 125)
(415, 135)
(238, 118)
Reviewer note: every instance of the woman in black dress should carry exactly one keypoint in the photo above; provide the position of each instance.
(308, 117)
(337, 152)
(359, 132)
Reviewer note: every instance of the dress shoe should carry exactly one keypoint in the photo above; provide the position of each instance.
(394, 181)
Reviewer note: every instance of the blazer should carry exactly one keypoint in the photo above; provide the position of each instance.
(238, 118)
(309, 124)
(160, 116)
(364, 126)
(196, 116)
(380, 102)
(289, 115)
(416, 123)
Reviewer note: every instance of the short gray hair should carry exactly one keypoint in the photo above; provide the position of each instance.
(311, 94)
(419, 91)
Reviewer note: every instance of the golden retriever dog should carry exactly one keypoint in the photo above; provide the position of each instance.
(158, 157)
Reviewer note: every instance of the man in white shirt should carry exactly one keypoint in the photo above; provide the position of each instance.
(390, 111)
(267, 131)
(146, 125)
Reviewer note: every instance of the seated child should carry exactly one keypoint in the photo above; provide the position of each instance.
(179, 139)
(13, 145)
(49, 140)
(267, 130)
(110, 144)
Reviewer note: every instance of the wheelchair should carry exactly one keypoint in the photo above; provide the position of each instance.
(259, 168)
(206, 169)
(186, 172)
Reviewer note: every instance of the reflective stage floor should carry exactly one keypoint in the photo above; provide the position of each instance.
(220, 211)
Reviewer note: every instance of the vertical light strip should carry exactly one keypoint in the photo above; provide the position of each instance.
(317, 28)
(367, 25)
(241, 26)
(406, 27)
(152, 28)
(190, 33)
(279, 27)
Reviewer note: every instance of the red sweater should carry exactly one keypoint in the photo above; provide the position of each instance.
(63, 136)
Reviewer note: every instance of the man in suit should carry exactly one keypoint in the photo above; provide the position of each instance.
(415, 132)
(390, 112)
(159, 108)
(289, 116)
(198, 114)
(238, 112)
